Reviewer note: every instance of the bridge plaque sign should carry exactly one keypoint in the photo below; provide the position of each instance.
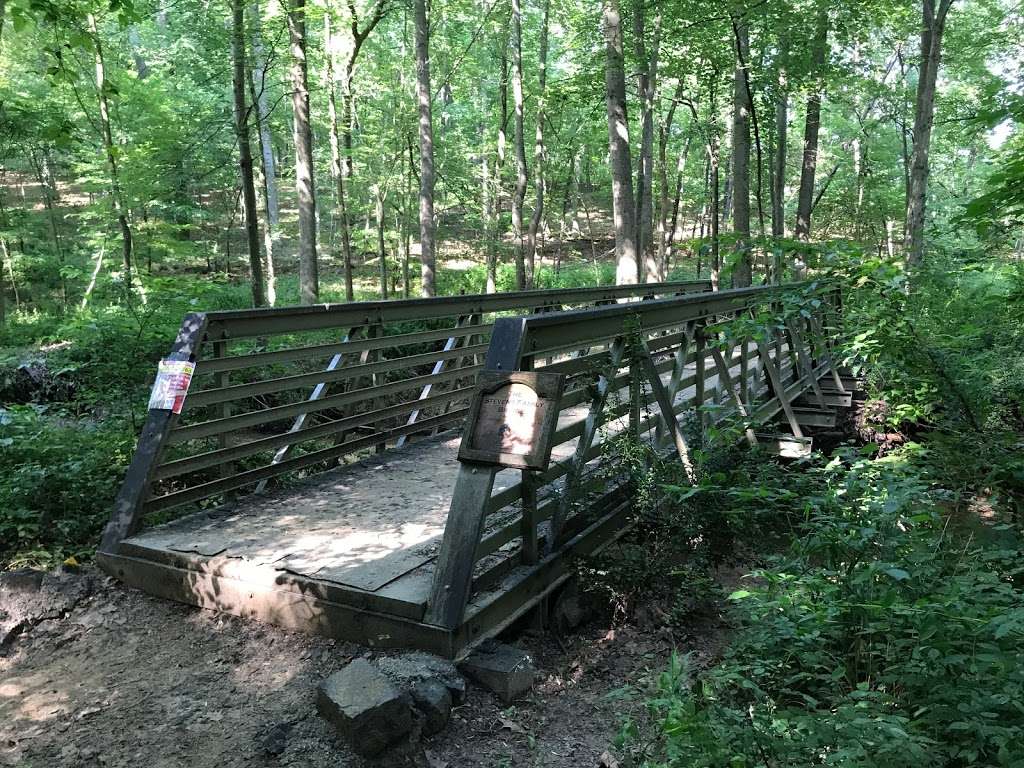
(512, 419)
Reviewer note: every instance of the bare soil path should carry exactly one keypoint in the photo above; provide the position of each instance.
(125, 679)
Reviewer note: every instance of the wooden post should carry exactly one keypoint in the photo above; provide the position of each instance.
(453, 569)
(700, 350)
(127, 514)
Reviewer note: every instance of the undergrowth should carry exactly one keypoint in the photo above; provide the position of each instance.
(886, 629)
(888, 634)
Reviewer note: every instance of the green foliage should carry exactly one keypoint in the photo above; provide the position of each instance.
(57, 483)
(886, 636)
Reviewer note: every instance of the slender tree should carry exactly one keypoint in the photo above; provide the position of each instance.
(337, 171)
(302, 136)
(523, 270)
(538, 149)
(258, 85)
(812, 124)
(646, 87)
(742, 273)
(426, 131)
(107, 134)
(245, 165)
(933, 27)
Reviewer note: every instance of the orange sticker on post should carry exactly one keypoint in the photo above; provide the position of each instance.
(172, 381)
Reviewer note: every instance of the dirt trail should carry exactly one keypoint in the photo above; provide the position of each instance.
(125, 679)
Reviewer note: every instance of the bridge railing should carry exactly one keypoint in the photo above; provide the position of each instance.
(291, 390)
(656, 370)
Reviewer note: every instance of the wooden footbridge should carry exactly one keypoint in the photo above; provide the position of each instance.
(312, 477)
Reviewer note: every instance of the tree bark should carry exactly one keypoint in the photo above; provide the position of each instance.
(805, 197)
(337, 171)
(426, 131)
(116, 195)
(627, 268)
(664, 134)
(778, 185)
(238, 81)
(379, 195)
(258, 85)
(523, 270)
(302, 136)
(742, 274)
(538, 151)
(646, 86)
(932, 29)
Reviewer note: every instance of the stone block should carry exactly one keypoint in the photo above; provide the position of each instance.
(502, 669)
(433, 699)
(366, 707)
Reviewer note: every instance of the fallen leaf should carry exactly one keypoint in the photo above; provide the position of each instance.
(607, 760)
(510, 725)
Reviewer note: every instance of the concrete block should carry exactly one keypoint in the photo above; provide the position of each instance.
(365, 707)
(502, 669)
(433, 699)
(408, 669)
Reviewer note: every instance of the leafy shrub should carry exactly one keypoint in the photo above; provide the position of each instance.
(887, 636)
(57, 484)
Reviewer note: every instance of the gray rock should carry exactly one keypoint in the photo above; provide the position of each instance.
(275, 740)
(366, 707)
(570, 609)
(433, 699)
(408, 669)
(502, 669)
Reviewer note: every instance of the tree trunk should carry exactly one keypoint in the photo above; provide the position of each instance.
(252, 231)
(116, 195)
(523, 270)
(646, 87)
(805, 197)
(743, 272)
(664, 134)
(677, 200)
(627, 268)
(302, 136)
(778, 185)
(337, 171)
(538, 151)
(932, 29)
(258, 84)
(379, 195)
(716, 256)
(426, 128)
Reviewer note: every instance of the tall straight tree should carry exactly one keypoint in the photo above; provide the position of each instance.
(302, 136)
(627, 269)
(426, 129)
(933, 26)
(538, 150)
(664, 134)
(519, 140)
(238, 81)
(647, 88)
(742, 273)
(812, 124)
(337, 171)
(116, 193)
(258, 85)
(778, 164)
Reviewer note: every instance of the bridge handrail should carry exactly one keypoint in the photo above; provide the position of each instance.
(614, 349)
(379, 382)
